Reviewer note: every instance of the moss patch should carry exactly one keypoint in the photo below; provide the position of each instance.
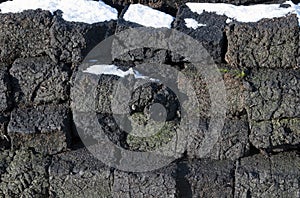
(149, 139)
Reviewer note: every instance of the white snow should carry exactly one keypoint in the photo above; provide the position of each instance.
(114, 70)
(73, 10)
(147, 16)
(192, 23)
(252, 13)
(89, 11)
(228, 20)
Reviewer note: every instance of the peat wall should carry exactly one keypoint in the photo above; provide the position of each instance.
(256, 154)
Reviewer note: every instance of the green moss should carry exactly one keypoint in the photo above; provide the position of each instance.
(241, 74)
(155, 140)
(235, 72)
(238, 73)
(224, 70)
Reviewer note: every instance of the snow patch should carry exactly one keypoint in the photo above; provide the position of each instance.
(114, 70)
(192, 23)
(252, 13)
(147, 16)
(228, 20)
(79, 10)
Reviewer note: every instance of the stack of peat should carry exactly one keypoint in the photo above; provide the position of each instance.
(256, 155)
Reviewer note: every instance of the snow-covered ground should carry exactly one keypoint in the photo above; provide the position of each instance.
(252, 13)
(78, 10)
(192, 23)
(114, 70)
(92, 11)
(147, 16)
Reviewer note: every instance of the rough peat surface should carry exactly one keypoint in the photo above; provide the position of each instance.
(41, 150)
